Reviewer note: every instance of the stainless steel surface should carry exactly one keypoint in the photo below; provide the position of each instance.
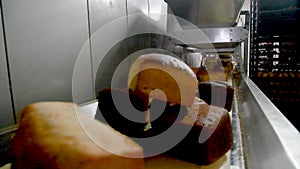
(138, 16)
(212, 35)
(158, 15)
(137, 23)
(246, 5)
(6, 111)
(108, 26)
(103, 12)
(270, 140)
(107, 21)
(44, 39)
(210, 26)
(126, 34)
(90, 107)
(204, 13)
(152, 16)
(158, 10)
(193, 59)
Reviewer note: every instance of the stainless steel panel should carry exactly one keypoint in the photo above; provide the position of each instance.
(158, 10)
(138, 6)
(158, 16)
(108, 27)
(103, 12)
(146, 16)
(90, 108)
(246, 6)
(270, 140)
(44, 39)
(203, 13)
(6, 111)
(212, 35)
(138, 17)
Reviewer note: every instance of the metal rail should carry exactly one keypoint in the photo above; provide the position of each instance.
(270, 140)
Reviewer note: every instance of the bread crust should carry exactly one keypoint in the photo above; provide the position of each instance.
(51, 136)
(176, 82)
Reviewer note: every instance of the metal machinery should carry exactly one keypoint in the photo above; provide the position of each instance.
(218, 23)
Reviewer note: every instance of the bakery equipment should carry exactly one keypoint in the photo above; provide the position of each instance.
(207, 14)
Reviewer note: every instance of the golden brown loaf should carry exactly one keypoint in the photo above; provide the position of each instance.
(154, 71)
(210, 136)
(204, 75)
(50, 136)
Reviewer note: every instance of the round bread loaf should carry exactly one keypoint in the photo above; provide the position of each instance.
(163, 77)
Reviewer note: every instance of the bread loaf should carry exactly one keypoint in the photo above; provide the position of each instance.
(210, 136)
(217, 93)
(165, 73)
(204, 75)
(58, 135)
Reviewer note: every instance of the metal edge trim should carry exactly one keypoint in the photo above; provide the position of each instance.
(290, 140)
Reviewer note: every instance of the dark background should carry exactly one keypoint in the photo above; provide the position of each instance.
(274, 53)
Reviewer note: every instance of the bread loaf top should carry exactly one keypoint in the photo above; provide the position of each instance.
(167, 61)
(67, 124)
(163, 77)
